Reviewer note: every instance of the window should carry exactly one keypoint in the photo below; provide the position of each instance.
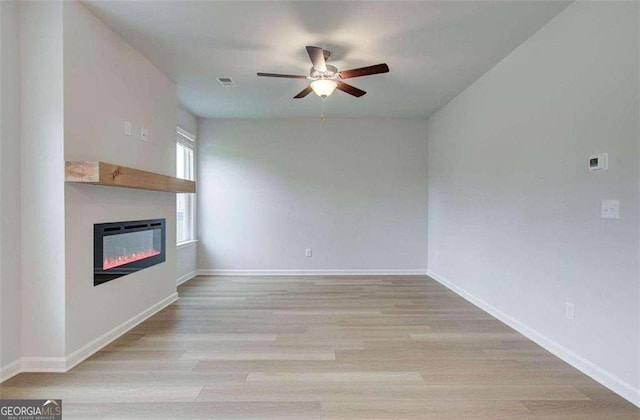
(185, 203)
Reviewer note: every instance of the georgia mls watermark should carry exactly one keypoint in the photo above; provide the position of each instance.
(30, 409)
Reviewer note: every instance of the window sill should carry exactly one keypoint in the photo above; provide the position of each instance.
(185, 244)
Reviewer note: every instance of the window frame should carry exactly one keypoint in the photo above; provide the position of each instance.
(188, 141)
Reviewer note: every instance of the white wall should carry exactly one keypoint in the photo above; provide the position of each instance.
(513, 213)
(9, 185)
(186, 254)
(186, 262)
(186, 120)
(353, 190)
(106, 83)
(42, 180)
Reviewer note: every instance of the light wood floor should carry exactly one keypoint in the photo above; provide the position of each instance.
(366, 347)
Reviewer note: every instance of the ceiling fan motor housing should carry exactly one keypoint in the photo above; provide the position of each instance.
(331, 73)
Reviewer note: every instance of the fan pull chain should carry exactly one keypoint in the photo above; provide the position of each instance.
(322, 118)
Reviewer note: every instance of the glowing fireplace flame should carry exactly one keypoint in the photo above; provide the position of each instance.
(112, 262)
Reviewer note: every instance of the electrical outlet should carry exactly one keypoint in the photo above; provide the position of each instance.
(127, 128)
(570, 311)
(144, 134)
(308, 252)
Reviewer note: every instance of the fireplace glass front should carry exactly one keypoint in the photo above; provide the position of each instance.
(122, 248)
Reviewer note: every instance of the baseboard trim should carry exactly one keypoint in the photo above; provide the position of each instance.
(186, 277)
(94, 346)
(604, 377)
(10, 370)
(213, 272)
(64, 364)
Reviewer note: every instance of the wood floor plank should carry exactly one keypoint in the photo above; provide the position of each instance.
(486, 392)
(305, 410)
(399, 378)
(258, 353)
(124, 366)
(101, 393)
(555, 409)
(429, 410)
(299, 391)
(84, 411)
(337, 347)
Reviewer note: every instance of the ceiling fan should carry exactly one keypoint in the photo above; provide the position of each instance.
(326, 78)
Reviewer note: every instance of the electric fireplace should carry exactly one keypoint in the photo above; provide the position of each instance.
(123, 248)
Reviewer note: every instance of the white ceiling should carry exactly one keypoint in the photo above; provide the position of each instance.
(435, 49)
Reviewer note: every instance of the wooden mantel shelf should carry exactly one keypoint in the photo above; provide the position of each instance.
(102, 173)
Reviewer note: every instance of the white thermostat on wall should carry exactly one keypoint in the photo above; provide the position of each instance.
(599, 162)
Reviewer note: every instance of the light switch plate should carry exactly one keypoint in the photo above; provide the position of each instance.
(127, 128)
(144, 134)
(610, 209)
(570, 311)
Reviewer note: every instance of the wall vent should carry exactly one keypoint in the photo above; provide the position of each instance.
(226, 82)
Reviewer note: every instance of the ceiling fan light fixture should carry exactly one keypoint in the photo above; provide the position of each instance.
(325, 78)
(323, 87)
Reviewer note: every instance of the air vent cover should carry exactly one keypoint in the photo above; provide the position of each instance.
(226, 81)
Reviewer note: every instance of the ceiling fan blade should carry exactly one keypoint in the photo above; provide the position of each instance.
(351, 90)
(316, 54)
(285, 76)
(304, 93)
(364, 71)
